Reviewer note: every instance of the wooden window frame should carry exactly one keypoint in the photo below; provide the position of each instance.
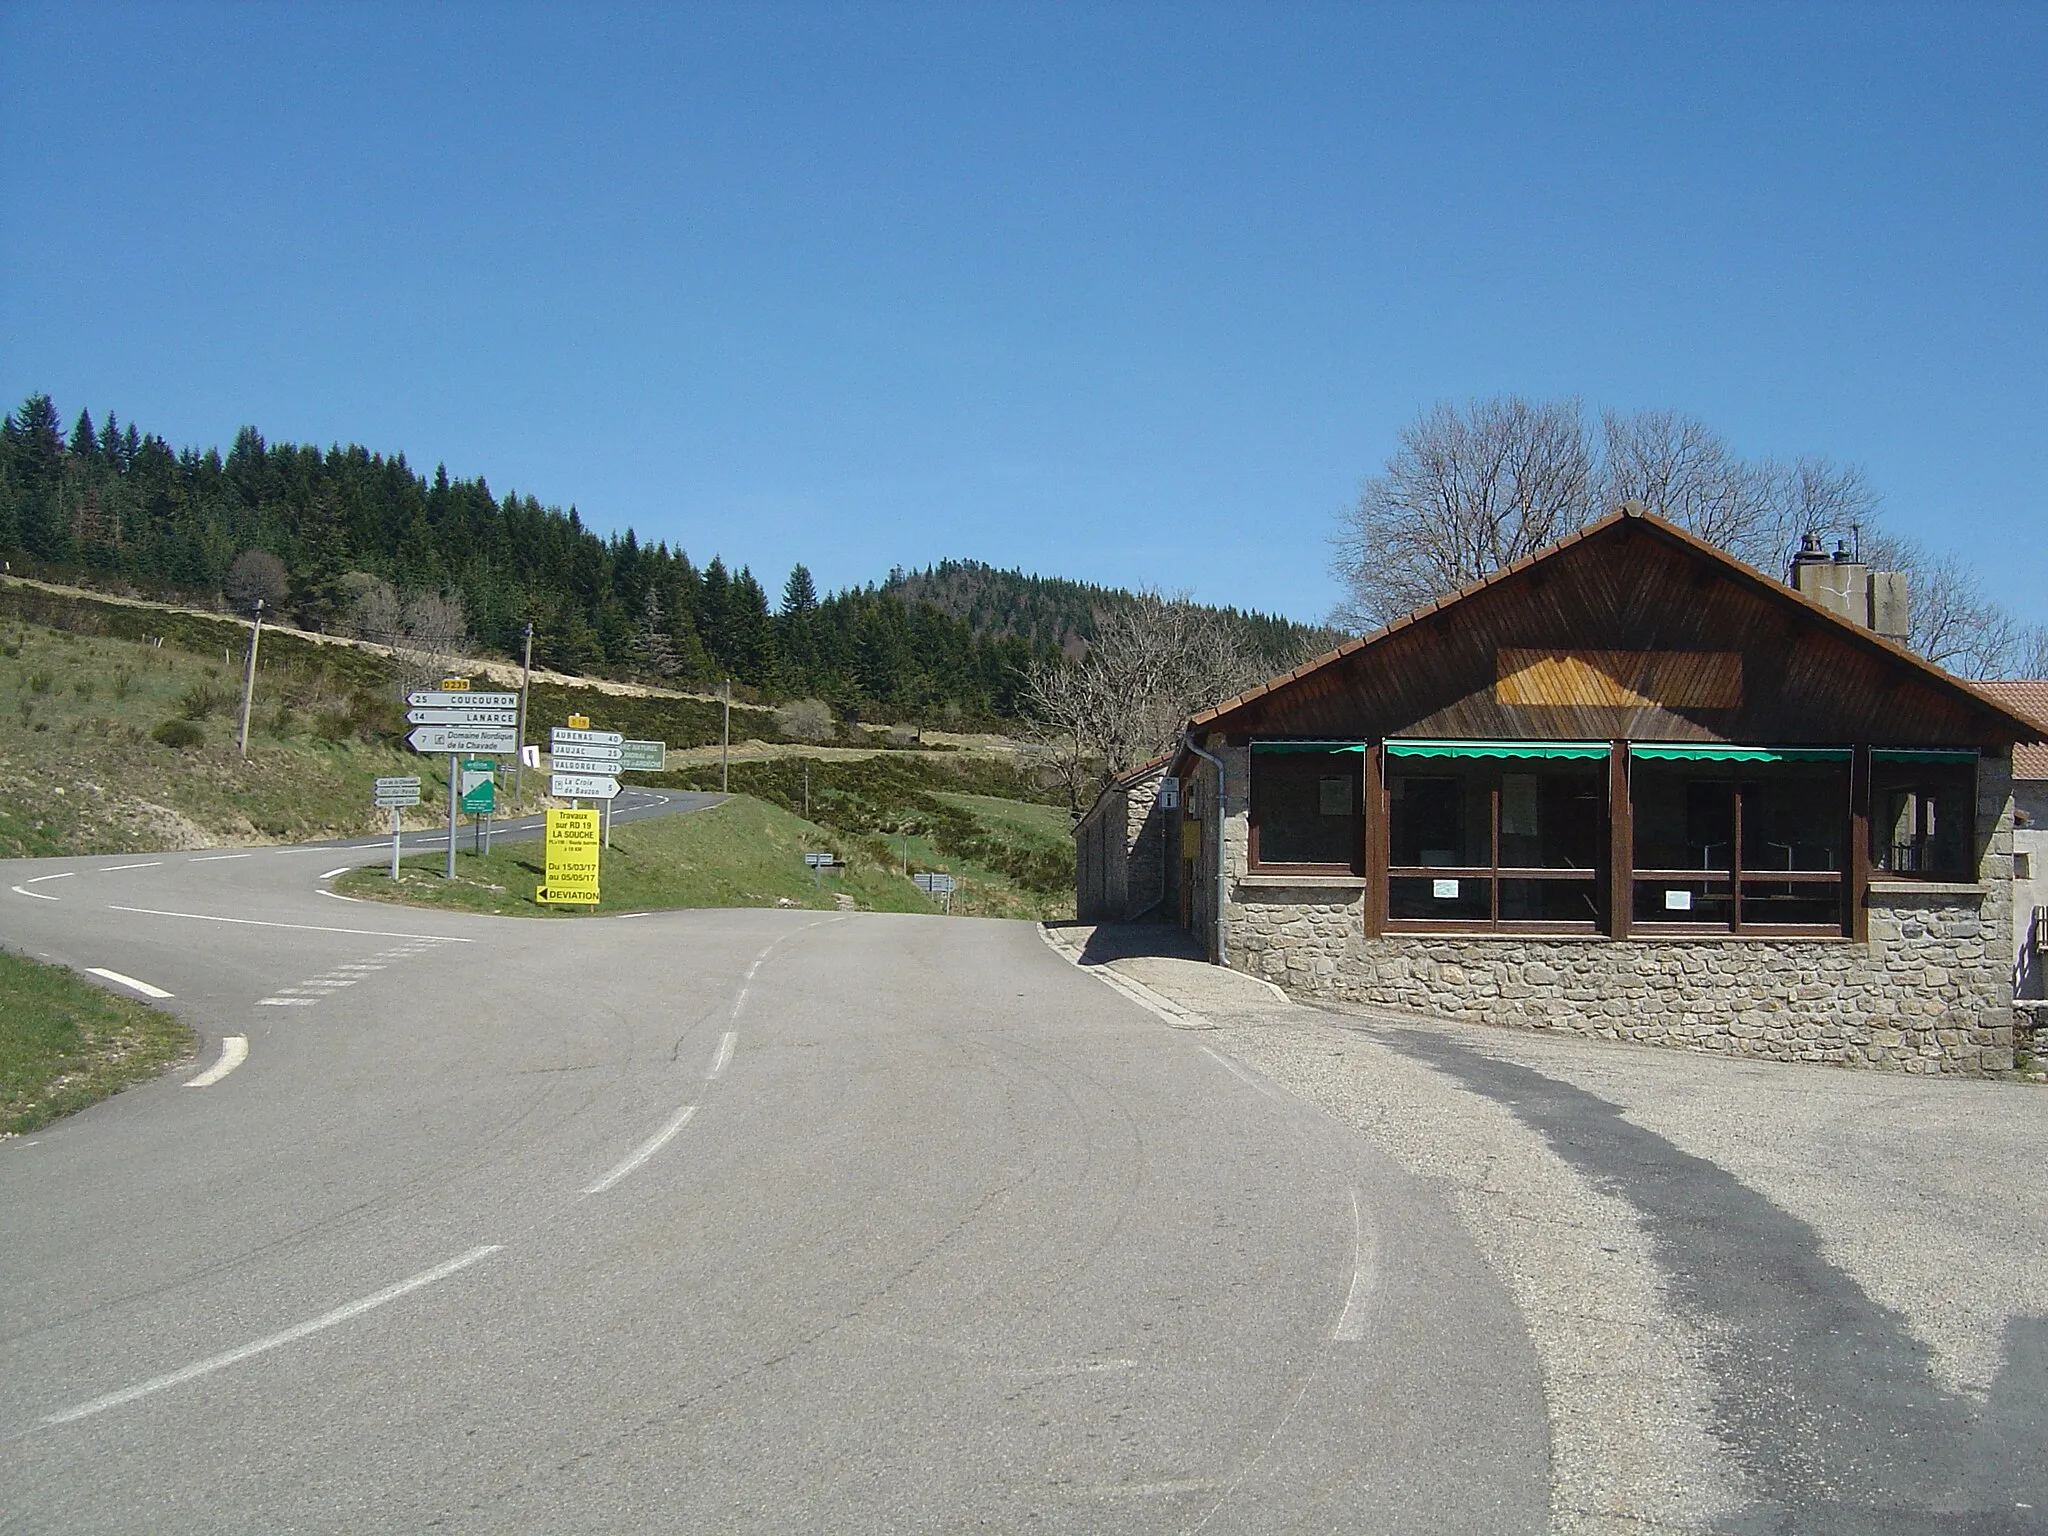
(1383, 872)
(1352, 868)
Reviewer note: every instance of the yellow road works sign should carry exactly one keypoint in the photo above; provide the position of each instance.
(572, 860)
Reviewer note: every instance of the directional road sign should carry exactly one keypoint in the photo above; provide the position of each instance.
(582, 786)
(465, 738)
(561, 736)
(821, 860)
(391, 794)
(602, 751)
(934, 885)
(428, 698)
(644, 756)
(561, 762)
(462, 717)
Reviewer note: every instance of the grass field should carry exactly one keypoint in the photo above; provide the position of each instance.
(64, 1044)
(81, 772)
(742, 853)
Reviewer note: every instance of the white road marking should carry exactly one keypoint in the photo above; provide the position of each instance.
(257, 922)
(39, 879)
(337, 896)
(724, 1057)
(126, 981)
(1252, 1079)
(22, 891)
(1365, 1277)
(111, 868)
(234, 1050)
(342, 1314)
(341, 871)
(286, 1002)
(215, 858)
(644, 1151)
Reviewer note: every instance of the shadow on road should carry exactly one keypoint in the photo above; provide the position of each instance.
(1104, 942)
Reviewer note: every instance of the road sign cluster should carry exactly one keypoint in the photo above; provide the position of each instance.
(583, 765)
(396, 793)
(463, 721)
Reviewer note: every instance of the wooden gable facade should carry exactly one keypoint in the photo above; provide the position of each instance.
(1622, 648)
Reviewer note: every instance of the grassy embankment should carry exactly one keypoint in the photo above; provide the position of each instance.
(977, 818)
(741, 853)
(64, 1044)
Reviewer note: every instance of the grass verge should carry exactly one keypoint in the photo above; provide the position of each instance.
(742, 853)
(65, 1044)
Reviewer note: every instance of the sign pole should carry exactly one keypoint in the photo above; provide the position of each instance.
(454, 771)
(519, 755)
(394, 841)
(725, 740)
(249, 683)
(607, 823)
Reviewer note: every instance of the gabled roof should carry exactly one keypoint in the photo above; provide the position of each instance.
(2029, 698)
(1125, 780)
(1735, 570)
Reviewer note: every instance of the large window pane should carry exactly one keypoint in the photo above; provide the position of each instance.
(1923, 820)
(1735, 823)
(1306, 808)
(1549, 901)
(1709, 903)
(1807, 902)
(1442, 819)
(1441, 898)
(1795, 816)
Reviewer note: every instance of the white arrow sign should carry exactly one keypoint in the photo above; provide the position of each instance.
(561, 762)
(586, 749)
(462, 717)
(406, 781)
(582, 786)
(465, 738)
(563, 736)
(429, 698)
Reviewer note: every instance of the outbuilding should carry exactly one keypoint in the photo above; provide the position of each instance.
(1627, 787)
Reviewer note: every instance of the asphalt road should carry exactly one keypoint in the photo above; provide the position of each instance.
(719, 1221)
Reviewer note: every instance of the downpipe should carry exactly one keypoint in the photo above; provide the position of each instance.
(1222, 868)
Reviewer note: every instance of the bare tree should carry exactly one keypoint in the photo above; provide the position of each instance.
(1468, 490)
(1685, 472)
(2033, 656)
(1150, 667)
(256, 573)
(426, 633)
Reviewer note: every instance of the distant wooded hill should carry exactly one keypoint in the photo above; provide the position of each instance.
(113, 506)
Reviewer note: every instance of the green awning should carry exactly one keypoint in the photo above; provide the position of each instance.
(1540, 749)
(1716, 752)
(1308, 746)
(1923, 754)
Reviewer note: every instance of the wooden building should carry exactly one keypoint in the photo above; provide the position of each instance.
(1627, 787)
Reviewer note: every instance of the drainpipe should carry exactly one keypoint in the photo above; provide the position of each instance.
(1222, 874)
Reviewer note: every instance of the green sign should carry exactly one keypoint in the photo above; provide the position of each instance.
(643, 756)
(479, 786)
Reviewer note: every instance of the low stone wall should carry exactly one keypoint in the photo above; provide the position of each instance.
(1930, 992)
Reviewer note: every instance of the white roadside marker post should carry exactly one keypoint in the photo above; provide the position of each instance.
(454, 771)
(394, 841)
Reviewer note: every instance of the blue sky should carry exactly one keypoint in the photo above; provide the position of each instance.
(1131, 293)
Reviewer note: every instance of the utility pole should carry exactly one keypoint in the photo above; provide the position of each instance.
(525, 682)
(807, 789)
(725, 740)
(249, 683)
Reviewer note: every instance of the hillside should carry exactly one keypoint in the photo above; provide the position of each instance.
(353, 541)
(1052, 612)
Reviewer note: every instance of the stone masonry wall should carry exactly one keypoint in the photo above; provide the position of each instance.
(1930, 992)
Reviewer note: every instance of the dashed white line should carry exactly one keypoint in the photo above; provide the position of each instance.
(1250, 1078)
(291, 1335)
(644, 1151)
(257, 922)
(341, 871)
(234, 1050)
(24, 891)
(724, 1057)
(337, 896)
(286, 1002)
(216, 858)
(109, 869)
(125, 981)
(39, 879)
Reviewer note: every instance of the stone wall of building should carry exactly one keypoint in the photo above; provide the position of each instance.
(1932, 990)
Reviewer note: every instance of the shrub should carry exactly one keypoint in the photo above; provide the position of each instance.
(203, 699)
(180, 734)
(806, 720)
(83, 687)
(39, 682)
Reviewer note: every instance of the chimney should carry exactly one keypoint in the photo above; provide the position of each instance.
(1844, 585)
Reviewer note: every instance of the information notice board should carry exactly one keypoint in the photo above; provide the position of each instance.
(572, 854)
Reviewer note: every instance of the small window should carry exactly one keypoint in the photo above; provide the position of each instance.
(1306, 811)
(2023, 866)
(1923, 820)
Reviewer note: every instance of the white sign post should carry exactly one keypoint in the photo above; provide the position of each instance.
(455, 719)
(396, 793)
